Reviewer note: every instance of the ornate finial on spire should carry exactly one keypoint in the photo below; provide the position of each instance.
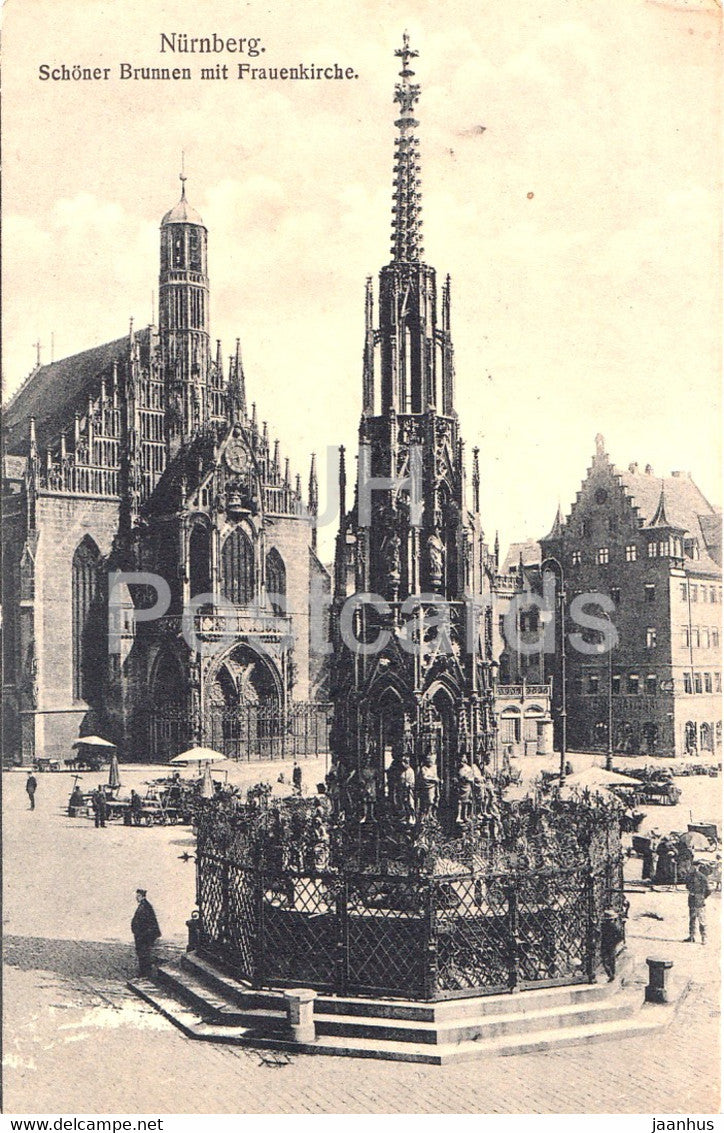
(406, 210)
(237, 385)
(182, 175)
(476, 479)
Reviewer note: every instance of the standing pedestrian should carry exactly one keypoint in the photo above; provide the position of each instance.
(698, 887)
(611, 937)
(31, 786)
(146, 932)
(297, 778)
(100, 807)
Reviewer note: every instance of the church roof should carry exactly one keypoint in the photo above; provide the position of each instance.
(53, 391)
(529, 551)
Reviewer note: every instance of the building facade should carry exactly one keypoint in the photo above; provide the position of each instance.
(652, 546)
(142, 456)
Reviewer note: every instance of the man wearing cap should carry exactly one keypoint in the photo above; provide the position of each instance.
(698, 888)
(146, 932)
(611, 937)
(31, 786)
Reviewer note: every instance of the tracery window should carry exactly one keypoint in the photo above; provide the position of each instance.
(237, 568)
(85, 595)
(276, 581)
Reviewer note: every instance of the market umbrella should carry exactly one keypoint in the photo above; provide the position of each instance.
(598, 777)
(114, 774)
(207, 786)
(92, 741)
(198, 755)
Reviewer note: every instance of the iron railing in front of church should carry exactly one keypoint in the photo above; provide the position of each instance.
(408, 936)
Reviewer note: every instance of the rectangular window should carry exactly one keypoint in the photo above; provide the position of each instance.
(664, 549)
(593, 683)
(688, 687)
(684, 591)
(615, 683)
(651, 684)
(630, 552)
(650, 592)
(717, 682)
(685, 637)
(695, 637)
(704, 593)
(705, 638)
(707, 682)
(576, 558)
(584, 529)
(632, 684)
(694, 592)
(650, 638)
(652, 550)
(602, 556)
(616, 595)
(715, 639)
(712, 593)
(697, 682)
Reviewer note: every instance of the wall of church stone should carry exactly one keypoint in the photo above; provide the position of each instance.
(291, 539)
(62, 523)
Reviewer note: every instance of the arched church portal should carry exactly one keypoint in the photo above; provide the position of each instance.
(169, 716)
(245, 706)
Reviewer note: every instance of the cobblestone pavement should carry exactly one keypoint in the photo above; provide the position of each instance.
(75, 1041)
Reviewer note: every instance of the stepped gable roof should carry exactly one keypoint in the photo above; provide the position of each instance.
(56, 390)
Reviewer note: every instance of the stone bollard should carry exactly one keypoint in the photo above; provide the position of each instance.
(300, 1008)
(656, 991)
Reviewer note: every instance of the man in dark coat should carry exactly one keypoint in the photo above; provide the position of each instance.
(100, 807)
(146, 932)
(31, 787)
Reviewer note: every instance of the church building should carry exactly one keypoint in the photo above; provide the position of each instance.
(143, 457)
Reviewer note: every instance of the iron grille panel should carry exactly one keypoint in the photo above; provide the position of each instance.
(243, 920)
(552, 926)
(299, 929)
(386, 935)
(473, 935)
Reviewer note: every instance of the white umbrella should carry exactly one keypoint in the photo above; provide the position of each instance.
(92, 741)
(198, 755)
(599, 777)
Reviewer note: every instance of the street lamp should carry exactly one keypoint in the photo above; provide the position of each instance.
(609, 732)
(560, 595)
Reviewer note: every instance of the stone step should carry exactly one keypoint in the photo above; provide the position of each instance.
(218, 1009)
(238, 991)
(188, 1021)
(460, 1030)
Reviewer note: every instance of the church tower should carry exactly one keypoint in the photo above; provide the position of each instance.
(184, 319)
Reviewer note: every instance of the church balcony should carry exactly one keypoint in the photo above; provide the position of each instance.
(519, 692)
(234, 624)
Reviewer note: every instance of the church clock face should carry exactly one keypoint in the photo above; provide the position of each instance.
(236, 455)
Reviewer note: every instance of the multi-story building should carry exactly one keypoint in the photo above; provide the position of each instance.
(652, 545)
(142, 455)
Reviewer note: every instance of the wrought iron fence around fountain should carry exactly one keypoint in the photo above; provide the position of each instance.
(405, 935)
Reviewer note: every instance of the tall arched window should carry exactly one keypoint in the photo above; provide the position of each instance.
(276, 581)
(200, 561)
(87, 618)
(237, 568)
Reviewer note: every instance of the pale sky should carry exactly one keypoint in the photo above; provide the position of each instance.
(581, 228)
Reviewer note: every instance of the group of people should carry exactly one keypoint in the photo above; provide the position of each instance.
(674, 860)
